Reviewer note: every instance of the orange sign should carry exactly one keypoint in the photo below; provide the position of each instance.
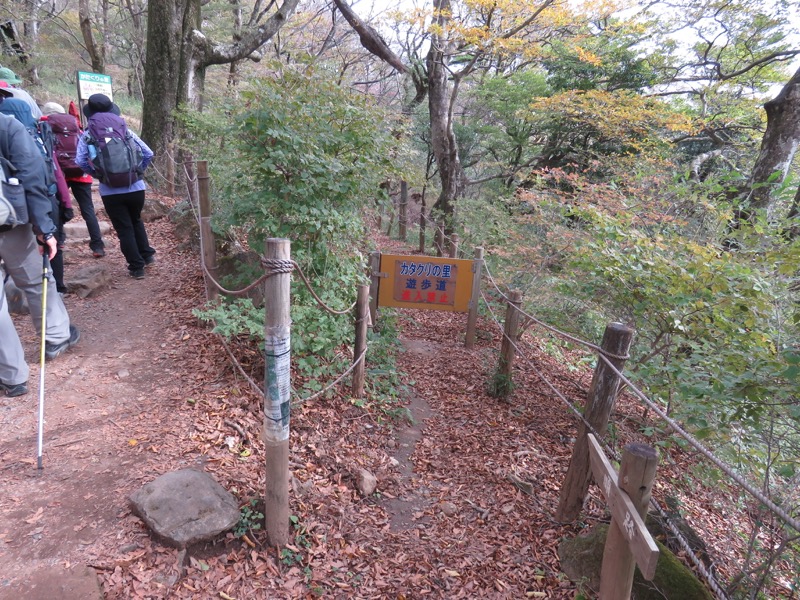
(425, 282)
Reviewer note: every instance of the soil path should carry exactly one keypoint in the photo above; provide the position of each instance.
(96, 445)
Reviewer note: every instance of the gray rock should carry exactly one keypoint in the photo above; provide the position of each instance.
(185, 507)
(87, 280)
(366, 482)
(154, 209)
(76, 230)
(448, 508)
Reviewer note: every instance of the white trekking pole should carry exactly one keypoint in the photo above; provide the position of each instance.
(45, 271)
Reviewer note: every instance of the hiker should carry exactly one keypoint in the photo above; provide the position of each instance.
(67, 130)
(10, 81)
(56, 184)
(26, 190)
(116, 156)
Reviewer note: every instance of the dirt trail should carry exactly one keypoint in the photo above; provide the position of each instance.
(96, 446)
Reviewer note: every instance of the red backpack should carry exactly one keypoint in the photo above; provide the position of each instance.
(65, 134)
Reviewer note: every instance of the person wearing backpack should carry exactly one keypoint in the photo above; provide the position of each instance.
(56, 184)
(116, 156)
(66, 133)
(26, 217)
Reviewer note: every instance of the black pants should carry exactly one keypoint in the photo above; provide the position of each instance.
(82, 191)
(125, 213)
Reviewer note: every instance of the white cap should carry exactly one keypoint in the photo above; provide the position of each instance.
(50, 108)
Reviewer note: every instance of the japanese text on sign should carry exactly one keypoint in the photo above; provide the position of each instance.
(425, 282)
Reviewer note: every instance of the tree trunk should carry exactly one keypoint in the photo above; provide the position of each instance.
(96, 54)
(178, 55)
(166, 70)
(778, 146)
(440, 101)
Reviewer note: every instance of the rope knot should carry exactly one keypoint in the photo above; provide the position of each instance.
(275, 266)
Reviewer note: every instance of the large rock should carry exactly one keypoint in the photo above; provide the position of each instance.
(76, 230)
(185, 507)
(88, 279)
(154, 209)
(582, 557)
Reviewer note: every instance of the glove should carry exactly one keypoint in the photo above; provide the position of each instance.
(67, 214)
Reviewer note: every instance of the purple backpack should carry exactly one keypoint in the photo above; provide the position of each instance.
(117, 158)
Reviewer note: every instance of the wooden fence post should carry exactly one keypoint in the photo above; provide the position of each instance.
(599, 403)
(422, 228)
(453, 246)
(191, 187)
(472, 315)
(362, 317)
(277, 384)
(374, 283)
(628, 494)
(510, 327)
(438, 239)
(207, 242)
(171, 169)
(402, 218)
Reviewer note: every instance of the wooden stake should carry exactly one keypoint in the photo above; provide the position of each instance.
(510, 327)
(472, 315)
(628, 542)
(453, 246)
(207, 241)
(402, 218)
(362, 316)
(375, 281)
(599, 403)
(277, 346)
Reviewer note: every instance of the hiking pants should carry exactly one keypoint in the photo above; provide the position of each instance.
(125, 213)
(22, 261)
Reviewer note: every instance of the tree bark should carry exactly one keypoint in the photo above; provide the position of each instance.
(440, 101)
(778, 146)
(179, 54)
(96, 53)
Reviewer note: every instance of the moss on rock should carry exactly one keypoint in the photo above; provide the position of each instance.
(581, 559)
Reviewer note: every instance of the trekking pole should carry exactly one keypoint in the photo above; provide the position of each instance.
(45, 271)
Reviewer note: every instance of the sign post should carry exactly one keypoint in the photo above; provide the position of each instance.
(93, 83)
(627, 496)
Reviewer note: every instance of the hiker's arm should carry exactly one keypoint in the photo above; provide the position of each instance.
(82, 155)
(147, 154)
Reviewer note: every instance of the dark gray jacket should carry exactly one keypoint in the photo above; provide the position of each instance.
(25, 163)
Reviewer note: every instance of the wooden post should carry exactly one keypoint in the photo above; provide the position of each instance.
(422, 228)
(599, 403)
(191, 187)
(375, 281)
(170, 169)
(453, 246)
(207, 242)
(628, 542)
(438, 239)
(510, 327)
(362, 317)
(402, 218)
(277, 386)
(472, 315)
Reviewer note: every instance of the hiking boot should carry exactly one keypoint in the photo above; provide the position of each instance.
(99, 253)
(52, 350)
(137, 273)
(13, 390)
(149, 261)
